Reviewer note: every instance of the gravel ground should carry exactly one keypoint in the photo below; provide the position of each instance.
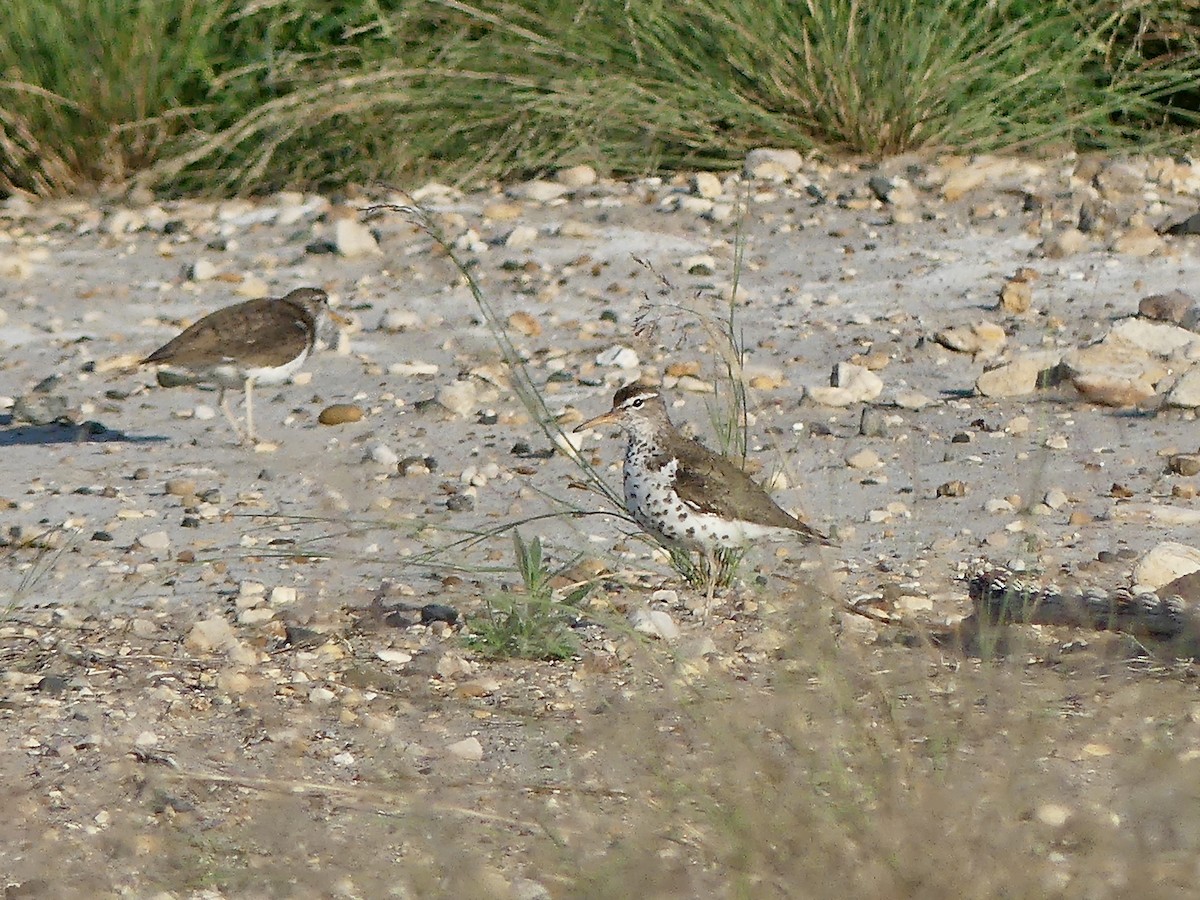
(252, 627)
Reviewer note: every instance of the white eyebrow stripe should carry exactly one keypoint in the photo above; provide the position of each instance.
(645, 396)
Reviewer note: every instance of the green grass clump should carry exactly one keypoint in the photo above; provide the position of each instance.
(188, 96)
(532, 624)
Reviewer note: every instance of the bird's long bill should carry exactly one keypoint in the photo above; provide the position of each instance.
(608, 418)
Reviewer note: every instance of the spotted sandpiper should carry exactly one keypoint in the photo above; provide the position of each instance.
(684, 494)
(263, 341)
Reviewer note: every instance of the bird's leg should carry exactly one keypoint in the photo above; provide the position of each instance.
(250, 412)
(223, 402)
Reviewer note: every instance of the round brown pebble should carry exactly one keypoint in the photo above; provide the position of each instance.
(180, 487)
(1185, 464)
(340, 414)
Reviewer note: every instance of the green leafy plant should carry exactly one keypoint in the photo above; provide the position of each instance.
(531, 624)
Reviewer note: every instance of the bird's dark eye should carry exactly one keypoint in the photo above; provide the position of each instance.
(638, 402)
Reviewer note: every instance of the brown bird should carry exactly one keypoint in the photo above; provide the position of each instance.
(686, 495)
(263, 341)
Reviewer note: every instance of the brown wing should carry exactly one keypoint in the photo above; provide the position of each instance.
(715, 484)
(255, 333)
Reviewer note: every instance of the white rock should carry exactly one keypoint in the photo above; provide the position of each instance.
(576, 176)
(1056, 498)
(1016, 378)
(1064, 242)
(321, 696)
(656, 623)
(383, 455)
(986, 338)
(282, 596)
(255, 616)
(395, 657)
(353, 239)
(210, 634)
(155, 540)
(865, 459)
(521, 236)
(1186, 392)
(460, 397)
(538, 191)
(913, 400)
(619, 357)
(1161, 338)
(468, 749)
(202, 270)
(1165, 563)
(706, 184)
(849, 384)
(773, 165)
(1053, 814)
(399, 320)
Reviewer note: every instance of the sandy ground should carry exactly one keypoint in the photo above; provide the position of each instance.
(128, 529)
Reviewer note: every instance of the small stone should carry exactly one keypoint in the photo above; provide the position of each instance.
(155, 540)
(706, 184)
(1057, 442)
(1016, 297)
(1139, 241)
(984, 338)
(1079, 518)
(282, 596)
(1016, 378)
(210, 634)
(395, 657)
(538, 191)
(576, 177)
(872, 423)
(321, 696)
(1187, 464)
(656, 623)
(353, 239)
(952, 489)
(773, 165)
(1165, 563)
(1053, 815)
(340, 414)
(1113, 389)
(180, 487)
(1055, 498)
(618, 357)
(469, 749)
(438, 612)
(963, 180)
(1174, 306)
(1186, 392)
(399, 320)
(865, 460)
(524, 323)
(914, 400)
(459, 397)
(521, 236)
(499, 211)
(1064, 242)
(202, 270)
(849, 383)
(680, 369)
(383, 455)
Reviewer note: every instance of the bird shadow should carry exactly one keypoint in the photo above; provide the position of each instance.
(23, 434)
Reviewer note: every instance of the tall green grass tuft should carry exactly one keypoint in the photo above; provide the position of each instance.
(184, 95)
